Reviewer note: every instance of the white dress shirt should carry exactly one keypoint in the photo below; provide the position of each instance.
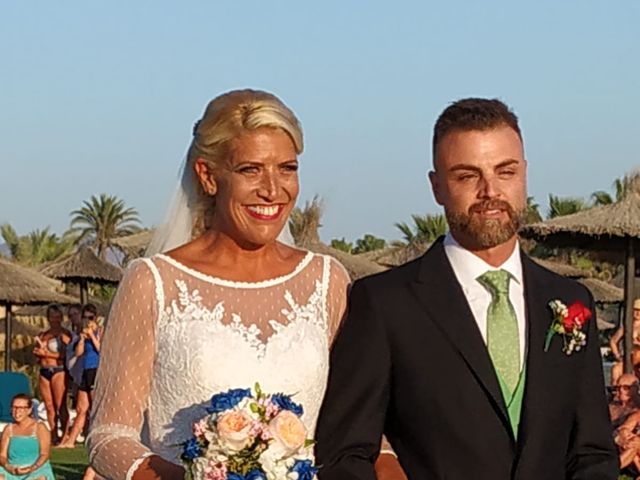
(468, 267)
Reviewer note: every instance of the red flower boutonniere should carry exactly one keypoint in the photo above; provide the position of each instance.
(568, 322)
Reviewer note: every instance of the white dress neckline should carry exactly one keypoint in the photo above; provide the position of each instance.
(237, 284)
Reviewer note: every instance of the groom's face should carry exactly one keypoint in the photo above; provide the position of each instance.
(480, 180)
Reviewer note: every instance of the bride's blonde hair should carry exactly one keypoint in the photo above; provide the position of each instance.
(227, 117)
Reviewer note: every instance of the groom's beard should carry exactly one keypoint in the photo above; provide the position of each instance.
(486, 233)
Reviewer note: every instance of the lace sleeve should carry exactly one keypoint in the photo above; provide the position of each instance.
(338, 290)
(124, 375)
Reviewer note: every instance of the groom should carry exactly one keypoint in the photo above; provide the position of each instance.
(448, 355)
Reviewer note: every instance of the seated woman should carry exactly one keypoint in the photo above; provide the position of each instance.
(24, 445)
(50, 351)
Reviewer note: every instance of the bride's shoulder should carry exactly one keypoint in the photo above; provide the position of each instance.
(331, 266)
(140, 271)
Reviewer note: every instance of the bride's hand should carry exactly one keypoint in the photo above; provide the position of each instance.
(157, 468)
(388, 468)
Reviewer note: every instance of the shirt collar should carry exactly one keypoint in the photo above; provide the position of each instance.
(468, 267)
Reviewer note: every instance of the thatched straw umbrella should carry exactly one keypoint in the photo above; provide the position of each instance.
(23, 286)
(83, 267)
(614, 227)
(395, 256)
(603, 292)
(561, 268)
(134, 245)
(356, 266)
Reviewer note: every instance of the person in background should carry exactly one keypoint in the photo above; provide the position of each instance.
(628, 443)
(87, 351)
(73, 364)
(626, 400)
(25, 444)
(50, 351)
(617, 368)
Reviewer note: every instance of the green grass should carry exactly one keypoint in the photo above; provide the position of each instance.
(69, 463)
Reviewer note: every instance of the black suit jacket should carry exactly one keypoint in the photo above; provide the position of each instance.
(410, 362)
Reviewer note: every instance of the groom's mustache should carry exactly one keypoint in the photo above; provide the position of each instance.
(484, 205)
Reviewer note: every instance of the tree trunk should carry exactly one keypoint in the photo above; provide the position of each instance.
(630, 273)
(7, 339)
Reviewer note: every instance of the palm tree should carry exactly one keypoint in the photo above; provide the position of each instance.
(37, 247)
(601, 198)
(621, 186)
(426, 228)
(559, 207)
(11, 239)
(342, 245)
(41, 246)
(627, 184)
(532, 212)
(103, 219)
(304, 223)
(369, 243)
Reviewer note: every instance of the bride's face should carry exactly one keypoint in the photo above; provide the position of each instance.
(257, 188)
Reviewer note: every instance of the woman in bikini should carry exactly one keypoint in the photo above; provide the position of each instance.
(50, 351)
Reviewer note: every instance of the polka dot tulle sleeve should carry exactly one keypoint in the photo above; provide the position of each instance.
(123, 382)
(338, 287)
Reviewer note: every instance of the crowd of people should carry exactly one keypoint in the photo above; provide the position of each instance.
(68, 359)
(624, 407)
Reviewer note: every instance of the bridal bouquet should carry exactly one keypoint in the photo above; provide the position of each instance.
(250, 435)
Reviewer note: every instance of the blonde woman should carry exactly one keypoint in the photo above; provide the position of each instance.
(226, 305)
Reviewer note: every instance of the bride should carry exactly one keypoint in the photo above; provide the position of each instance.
(227, 305)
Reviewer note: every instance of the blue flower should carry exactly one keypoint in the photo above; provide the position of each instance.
(304, 469)
(234, 476)
(192, 449)
(255, 475)
(284, 403)
(225, 401)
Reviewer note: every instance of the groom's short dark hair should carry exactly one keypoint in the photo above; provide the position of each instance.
(473, 114)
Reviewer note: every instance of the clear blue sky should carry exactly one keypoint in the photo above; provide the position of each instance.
(101, 96)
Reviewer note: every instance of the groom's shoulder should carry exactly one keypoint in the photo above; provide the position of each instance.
(555, 281)
(394, 277)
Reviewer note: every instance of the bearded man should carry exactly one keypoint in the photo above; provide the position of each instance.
(473, 360)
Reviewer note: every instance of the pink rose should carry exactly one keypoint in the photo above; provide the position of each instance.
(234, 430)
(200, 427)
(215, 471)
(288, 432)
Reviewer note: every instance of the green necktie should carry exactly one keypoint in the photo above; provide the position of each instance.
(502, 327)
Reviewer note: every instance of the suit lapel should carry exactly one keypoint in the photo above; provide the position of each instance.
(441, 296)
(538, 321)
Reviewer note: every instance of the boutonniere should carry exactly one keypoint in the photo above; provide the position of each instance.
(568, 322)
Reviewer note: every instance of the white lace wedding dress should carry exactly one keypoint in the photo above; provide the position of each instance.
(176, 336)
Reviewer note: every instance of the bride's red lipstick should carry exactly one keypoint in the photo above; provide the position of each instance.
(264, 212)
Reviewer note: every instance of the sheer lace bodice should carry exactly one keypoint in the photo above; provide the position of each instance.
(176, 336)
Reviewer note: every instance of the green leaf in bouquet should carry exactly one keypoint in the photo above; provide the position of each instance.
(254, 407)
(258, 390)
(309, 443)
(247, 459)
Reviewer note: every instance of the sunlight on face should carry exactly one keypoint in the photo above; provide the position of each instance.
(480, 180)
(258, 187)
